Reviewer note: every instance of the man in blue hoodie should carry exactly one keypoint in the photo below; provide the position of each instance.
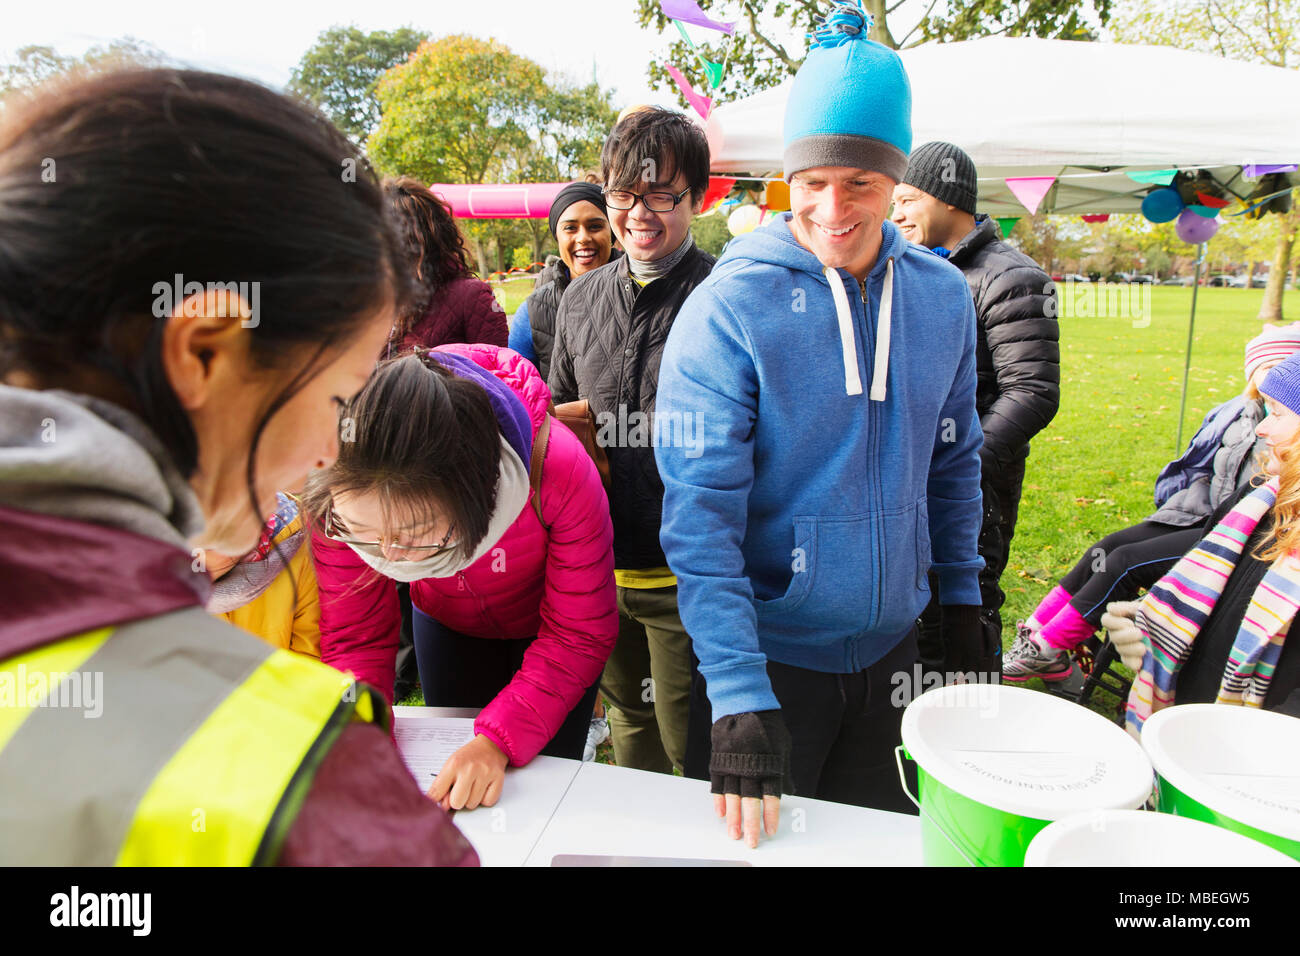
(830, 367)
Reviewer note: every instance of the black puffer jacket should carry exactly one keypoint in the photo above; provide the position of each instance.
(609, 340)
(544, 306)
(1017, 355)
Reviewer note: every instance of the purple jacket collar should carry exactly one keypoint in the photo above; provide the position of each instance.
(512, 415)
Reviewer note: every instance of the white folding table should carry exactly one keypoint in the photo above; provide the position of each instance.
(586, 811)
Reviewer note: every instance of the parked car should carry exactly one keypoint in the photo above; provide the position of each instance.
(1143, 278)
(1124, 277)
(1183, 281)
(1259, 282)
(1237, 282)
(1222, 280)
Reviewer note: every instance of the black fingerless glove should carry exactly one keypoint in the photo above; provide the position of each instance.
(969, 644)
(751, 755)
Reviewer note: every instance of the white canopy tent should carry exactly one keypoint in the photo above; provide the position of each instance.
(1086, 113)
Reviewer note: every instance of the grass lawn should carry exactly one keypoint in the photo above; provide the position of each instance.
(512, 292)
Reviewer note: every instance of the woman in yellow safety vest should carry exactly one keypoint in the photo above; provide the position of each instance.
(195, 274)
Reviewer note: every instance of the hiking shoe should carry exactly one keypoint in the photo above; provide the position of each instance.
(597, 734)
(1030, 657)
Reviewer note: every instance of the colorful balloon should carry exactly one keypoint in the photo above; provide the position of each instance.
(1195, 229)
(744, 219)
(1162, 205)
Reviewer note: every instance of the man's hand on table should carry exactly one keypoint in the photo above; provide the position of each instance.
(471, 777)
(748, 771)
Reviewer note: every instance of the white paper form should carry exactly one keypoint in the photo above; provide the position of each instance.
(425, 743)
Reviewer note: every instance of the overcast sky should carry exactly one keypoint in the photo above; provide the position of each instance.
(264, 39)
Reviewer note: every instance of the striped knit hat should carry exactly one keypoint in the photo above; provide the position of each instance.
(1274, 344)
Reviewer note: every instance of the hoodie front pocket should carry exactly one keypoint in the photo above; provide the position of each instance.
(835, 572)
(801, 570)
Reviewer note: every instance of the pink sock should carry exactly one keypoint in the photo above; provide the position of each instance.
(1048, 607)
(1068, 629)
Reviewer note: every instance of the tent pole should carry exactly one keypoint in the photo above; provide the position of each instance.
(1187, 361)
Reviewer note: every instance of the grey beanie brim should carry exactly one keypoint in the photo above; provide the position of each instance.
(842, 149)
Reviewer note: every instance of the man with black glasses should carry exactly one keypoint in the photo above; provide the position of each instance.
(609, 338)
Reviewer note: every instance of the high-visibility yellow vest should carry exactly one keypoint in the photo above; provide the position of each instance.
(176, 740)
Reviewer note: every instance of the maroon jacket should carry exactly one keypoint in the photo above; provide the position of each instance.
(464, 311)
(60, 577)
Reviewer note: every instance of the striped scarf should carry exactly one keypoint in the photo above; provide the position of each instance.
(1178, 605)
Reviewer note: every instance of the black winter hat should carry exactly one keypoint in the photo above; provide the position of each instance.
(945, 172)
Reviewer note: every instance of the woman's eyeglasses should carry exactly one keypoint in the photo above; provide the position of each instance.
(335, 530)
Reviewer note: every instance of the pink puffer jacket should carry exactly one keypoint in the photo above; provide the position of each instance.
(560, 589)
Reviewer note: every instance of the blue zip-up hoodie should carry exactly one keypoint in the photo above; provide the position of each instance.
(802, 520)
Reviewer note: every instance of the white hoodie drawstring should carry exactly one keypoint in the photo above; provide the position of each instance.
(882, 334)
(848, 342)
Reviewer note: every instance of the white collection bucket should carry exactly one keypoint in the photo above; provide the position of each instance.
(1235, 767)
(997, 764)
(1119, 838)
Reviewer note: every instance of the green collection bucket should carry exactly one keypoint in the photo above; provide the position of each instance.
(997, 764)
(1127, 838)
(1235, 767)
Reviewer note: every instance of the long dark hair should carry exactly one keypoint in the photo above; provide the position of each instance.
(113, 183)
(426, 442)
(434, 245)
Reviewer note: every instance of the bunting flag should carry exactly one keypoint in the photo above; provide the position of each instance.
(1208, 200)
(1007, 223)
(714, 70)
(1259, 202)
(688, 11)
(1159, 177)
(1030, 190)
(1095, 216)
(1256, 170)
(702, 104)
(1203, 211)
(719, 186)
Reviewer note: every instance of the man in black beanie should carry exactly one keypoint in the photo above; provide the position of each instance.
(1018, 363)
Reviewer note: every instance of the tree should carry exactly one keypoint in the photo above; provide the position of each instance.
(1050, 240)
(1260, 31)
(466, 110)
(34, 65)
(711, 233)
(769, 42)
(339, 71)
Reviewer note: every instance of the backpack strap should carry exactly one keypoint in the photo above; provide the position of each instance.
(535, 467)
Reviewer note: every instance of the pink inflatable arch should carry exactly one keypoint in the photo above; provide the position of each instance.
(499, 201)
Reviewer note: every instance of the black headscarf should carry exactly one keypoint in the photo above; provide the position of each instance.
(575, 192)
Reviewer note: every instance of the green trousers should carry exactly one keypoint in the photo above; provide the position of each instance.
(647, 681)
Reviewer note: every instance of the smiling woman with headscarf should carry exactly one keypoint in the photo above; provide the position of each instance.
(580, 225)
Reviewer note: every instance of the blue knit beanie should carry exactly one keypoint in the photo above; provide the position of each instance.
(1282, 383)
(850, 103)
